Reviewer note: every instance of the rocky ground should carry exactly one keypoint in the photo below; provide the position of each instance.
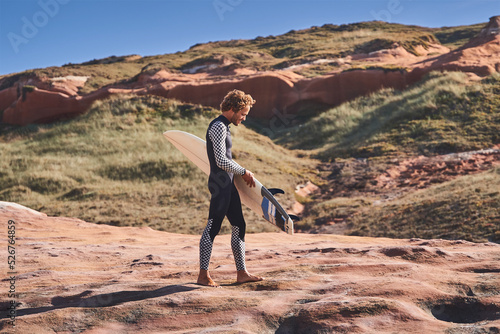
(402, 175)
(77, 277)
(387, 181)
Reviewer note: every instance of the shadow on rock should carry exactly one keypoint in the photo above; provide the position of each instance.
(104, 300)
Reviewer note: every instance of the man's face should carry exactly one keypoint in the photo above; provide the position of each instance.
(240, 116)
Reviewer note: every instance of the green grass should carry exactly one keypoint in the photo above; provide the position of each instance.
(445, 113)
(442, 114)
(455, 37)
(465, 208)
(113, 166)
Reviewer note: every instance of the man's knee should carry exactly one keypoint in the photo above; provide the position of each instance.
(239, 228)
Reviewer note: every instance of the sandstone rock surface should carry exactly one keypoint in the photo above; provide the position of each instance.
(77, 277)
(481, 55)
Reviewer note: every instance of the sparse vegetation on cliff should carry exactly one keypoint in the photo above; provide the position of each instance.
(113, 165)
(272, 52)
(442, 114)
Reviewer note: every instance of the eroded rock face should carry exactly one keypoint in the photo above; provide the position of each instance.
(35, 105)
(280, 91)
(488, 33)
(77, 276)
(37, 100)
(481, 55)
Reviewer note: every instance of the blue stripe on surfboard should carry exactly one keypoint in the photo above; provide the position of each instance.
(272, 215)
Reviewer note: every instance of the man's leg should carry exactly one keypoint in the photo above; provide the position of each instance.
(217, 211)
(238, 247)
(238, 225)
(205, 253)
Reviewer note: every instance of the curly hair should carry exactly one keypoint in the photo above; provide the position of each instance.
(236, 100)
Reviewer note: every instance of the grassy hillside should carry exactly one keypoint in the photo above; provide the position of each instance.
(442, 114)
(445, 113)
(455, 37)
(263, 53)
(465, 208)
(113, 166)
(328, 41)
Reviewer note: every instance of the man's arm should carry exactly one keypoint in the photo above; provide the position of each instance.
(217, 135)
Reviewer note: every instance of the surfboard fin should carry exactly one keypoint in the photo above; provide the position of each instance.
(275, 191)
(294, 218)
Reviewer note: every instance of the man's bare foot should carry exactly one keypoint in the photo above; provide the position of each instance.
(244, 276)
(205, 279)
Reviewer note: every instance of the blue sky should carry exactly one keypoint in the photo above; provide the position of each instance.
(42, 33)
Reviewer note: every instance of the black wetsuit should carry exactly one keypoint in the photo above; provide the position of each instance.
(225, 200)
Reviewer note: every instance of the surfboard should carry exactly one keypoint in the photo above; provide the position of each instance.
(259, 199)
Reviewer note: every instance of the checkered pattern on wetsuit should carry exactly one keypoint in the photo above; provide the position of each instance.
(238, 247)
(206, 246)
(217, 134)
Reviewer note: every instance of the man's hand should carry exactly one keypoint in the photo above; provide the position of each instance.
(248, 177)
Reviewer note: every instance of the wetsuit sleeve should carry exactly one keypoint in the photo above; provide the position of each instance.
(217, 135)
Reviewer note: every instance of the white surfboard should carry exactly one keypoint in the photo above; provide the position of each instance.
(258, 199)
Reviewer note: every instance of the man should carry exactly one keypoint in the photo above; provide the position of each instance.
(225, 200)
